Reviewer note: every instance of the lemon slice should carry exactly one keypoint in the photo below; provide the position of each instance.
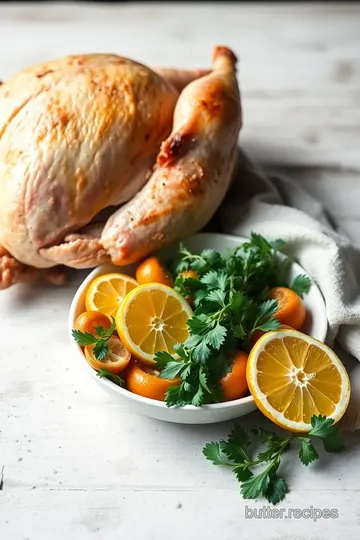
(106, 293)
(292, 376)
(152, 318)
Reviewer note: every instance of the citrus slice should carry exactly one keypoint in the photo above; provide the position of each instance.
(106, 293)
(116, 359)
(292, 376)
(146, 382)
(152, 318)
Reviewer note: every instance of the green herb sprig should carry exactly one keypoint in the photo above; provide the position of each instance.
(230, 300)
(235, 454)
(100, 340)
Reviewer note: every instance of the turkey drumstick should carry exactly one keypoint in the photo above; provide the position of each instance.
(193, 169)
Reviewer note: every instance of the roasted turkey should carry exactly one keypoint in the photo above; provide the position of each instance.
(103, 159)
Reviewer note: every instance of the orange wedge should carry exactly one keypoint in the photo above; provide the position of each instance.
(292, 376)
(106, 293)
(152, 318)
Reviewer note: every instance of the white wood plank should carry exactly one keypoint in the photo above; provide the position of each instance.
(158, 515)
(78, 465)
(299, 66)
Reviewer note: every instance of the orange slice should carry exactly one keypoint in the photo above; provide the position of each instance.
(152, 318)
(292, 376)
(106, 293)
(116, 359)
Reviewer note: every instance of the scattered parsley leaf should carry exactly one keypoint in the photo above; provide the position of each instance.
(213, 452)
(255, 486)
(324, 428)
(307, 453)
(276, 489)
(267, 482)
(301, 285)
(242, 472)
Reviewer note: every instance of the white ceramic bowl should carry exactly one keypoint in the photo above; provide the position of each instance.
(316, 326)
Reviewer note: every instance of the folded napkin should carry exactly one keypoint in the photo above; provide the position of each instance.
(278, 208)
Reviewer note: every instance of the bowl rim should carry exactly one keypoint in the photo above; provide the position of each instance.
(145, 400)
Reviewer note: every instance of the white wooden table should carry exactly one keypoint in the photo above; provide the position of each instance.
(76, 464)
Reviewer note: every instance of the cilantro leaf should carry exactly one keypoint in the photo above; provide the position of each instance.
(307, 453)
(331, 437)
(301, 285)
(276, 489)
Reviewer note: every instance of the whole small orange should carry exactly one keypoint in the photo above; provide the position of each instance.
(291, 308)
(151, 270)
(233, 383)
(89, 320)
(147, 383)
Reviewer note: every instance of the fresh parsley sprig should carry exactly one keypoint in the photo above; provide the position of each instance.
(100, 340)
(230, 294)
(234, 453)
